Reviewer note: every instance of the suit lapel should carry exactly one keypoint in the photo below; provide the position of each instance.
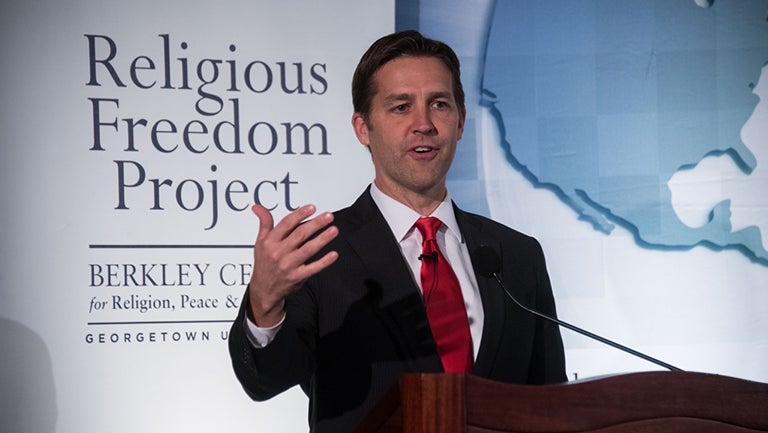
(390, 283)
(492, 296)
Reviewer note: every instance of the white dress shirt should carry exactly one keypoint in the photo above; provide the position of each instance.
(400, 219)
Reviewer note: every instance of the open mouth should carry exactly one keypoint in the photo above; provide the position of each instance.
(423, 149)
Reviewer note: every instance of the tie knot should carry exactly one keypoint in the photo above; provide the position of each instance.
(428, 227)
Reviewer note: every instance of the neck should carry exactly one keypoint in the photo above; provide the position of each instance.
(422, 202)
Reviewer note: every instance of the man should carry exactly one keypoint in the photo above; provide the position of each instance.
(344, 304)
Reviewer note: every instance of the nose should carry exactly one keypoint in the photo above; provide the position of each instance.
(422, 121)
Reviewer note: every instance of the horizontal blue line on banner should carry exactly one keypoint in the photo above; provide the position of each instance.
(161, 246)
(159, 322)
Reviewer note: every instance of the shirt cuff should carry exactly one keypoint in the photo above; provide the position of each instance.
(261, 337)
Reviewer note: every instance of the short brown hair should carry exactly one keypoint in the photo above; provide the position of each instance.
(390, 47)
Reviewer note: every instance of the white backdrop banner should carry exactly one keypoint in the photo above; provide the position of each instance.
(135, 138)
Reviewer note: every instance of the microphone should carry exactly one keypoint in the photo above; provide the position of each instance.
(432, 256)
(488, 264)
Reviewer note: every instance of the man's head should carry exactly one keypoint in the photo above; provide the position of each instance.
(405, 43)
(409, 112)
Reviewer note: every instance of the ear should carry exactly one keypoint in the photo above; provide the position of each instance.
(361, 129)
(462, 119)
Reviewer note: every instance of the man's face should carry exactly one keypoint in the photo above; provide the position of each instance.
(412, 128)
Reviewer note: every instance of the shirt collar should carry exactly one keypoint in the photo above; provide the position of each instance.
(401, 218)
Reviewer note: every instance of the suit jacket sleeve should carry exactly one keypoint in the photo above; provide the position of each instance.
(287, 361)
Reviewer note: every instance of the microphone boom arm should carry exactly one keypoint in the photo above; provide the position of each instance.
(585, 332)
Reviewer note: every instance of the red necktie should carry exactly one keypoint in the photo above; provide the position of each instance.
(446, 312)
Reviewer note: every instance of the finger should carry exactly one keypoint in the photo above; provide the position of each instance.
(309, 229)
(310, 248)
(266, 222)
(288, 224)
(293, 258)
(312, 268)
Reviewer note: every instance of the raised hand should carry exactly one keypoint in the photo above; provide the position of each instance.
(280, 257)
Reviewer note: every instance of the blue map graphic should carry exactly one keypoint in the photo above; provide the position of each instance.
(602, 102)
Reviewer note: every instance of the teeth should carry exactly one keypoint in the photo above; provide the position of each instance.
(422, 149)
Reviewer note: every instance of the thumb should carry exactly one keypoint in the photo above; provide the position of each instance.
(266, 222)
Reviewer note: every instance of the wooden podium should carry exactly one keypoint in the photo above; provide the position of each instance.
(651, 402)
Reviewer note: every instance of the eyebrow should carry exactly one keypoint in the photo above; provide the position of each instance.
(398, 97)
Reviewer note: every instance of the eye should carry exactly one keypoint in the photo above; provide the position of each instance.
(400, 108)
(441, 105)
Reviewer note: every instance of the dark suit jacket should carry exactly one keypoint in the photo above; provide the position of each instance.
(354, 328)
